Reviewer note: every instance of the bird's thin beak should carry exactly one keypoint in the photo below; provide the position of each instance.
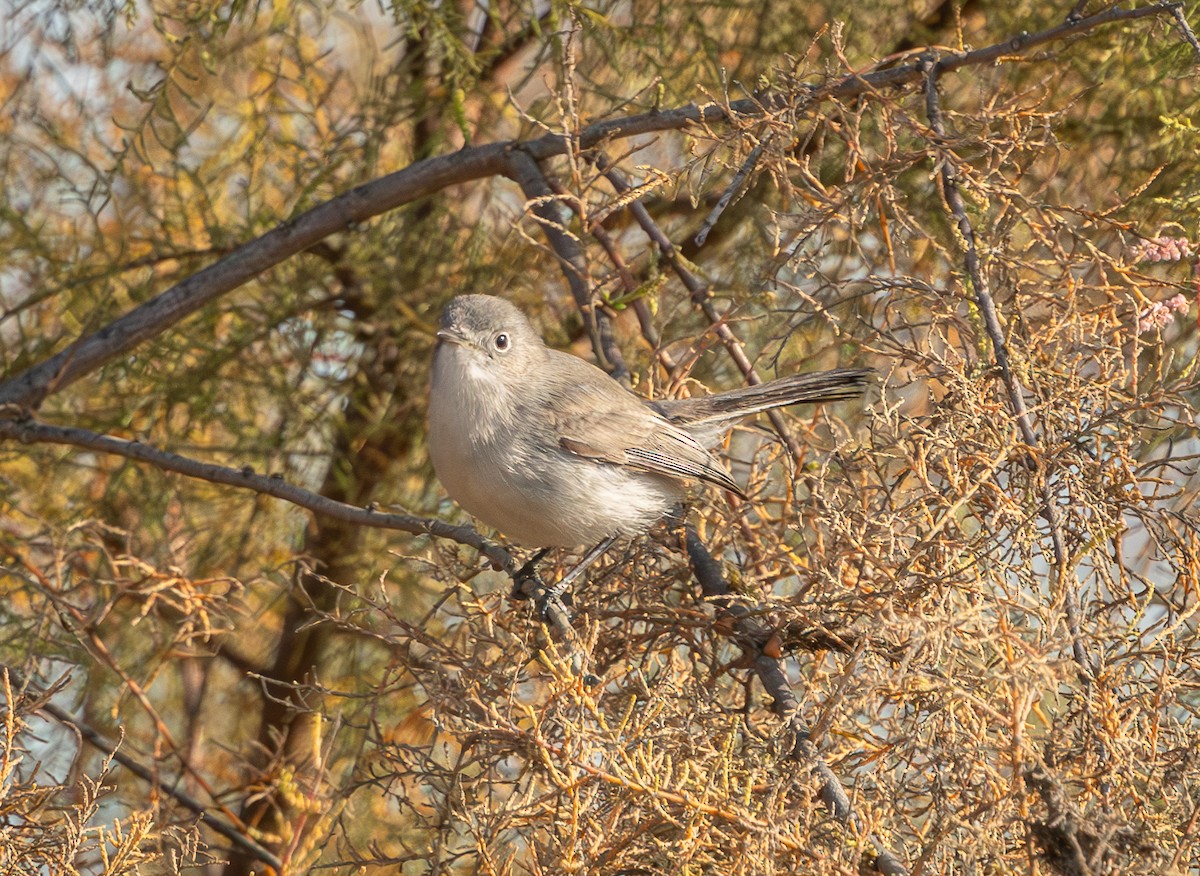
(452, 336)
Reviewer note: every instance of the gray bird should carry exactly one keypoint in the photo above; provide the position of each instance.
(553, 452)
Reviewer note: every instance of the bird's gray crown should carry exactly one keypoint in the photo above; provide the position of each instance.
(478, 315)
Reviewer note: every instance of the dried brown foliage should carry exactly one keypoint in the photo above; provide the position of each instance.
(953, 629)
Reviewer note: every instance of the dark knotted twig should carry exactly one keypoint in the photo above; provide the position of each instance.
(752, 637)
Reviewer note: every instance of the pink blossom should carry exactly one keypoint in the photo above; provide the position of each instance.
(1161, 313)
(1161, 249)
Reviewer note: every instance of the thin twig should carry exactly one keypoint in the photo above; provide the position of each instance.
(735, 188)
(1016, 393)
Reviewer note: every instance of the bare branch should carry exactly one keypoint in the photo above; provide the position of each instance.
(30, 431)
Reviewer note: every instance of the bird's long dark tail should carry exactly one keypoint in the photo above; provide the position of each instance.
(818, 386)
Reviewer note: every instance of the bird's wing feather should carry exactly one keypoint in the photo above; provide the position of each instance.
(609, 424)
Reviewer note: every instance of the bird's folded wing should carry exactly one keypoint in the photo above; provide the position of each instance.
(647, 442)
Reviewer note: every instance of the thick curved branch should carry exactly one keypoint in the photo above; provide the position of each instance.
(31, 431)
(244, 264)
(426, 177)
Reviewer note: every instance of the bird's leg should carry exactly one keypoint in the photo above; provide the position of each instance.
(529, 570)
(558, 590)
(527, 583)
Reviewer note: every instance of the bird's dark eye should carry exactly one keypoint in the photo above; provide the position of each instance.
(502, 342)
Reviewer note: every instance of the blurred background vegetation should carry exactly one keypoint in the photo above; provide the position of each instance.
(362, 700)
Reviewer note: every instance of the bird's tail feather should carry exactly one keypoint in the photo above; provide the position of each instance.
(818, 386)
